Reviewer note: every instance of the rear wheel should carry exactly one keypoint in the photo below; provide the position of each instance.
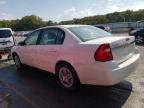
(67, 77)
(139, 39)
(17, 62)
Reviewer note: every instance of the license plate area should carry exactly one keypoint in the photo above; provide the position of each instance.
(124, 52)
(128, 49)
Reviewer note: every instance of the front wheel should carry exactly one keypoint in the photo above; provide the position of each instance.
(67, 77)
(139, 39)
(17, 61)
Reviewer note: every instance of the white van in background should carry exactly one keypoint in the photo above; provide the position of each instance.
(6, 41)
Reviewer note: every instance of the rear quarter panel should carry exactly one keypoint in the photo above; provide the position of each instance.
(78, 54)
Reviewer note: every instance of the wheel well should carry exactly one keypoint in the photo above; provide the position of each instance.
(14, 54)
(67, 63)
(61, 62)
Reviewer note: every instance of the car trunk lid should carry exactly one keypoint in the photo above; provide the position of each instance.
(122, 47)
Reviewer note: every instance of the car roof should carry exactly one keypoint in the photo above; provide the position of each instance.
(68, 26)
(62, 26)
(5, 29)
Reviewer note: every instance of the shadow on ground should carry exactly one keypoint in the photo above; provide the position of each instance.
(39, 89)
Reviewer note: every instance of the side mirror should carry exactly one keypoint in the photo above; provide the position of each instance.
(21, 43)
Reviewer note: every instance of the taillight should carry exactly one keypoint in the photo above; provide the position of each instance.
(104, 53)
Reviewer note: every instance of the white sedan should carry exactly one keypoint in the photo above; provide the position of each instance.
(78, 54)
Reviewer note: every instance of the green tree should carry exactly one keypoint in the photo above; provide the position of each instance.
(30, 23)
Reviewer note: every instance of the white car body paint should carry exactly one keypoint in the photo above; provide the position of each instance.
(81, 56)
(6, 42)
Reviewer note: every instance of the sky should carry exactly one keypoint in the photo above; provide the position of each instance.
(61, 10)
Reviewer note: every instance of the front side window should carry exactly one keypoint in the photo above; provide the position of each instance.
(5, 33)
(86, 33)
(52, 36)
(32, 38)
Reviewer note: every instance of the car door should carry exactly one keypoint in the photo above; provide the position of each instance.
(49, 48)
(28, 51)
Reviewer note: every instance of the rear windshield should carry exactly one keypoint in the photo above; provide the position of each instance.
(5, 33)
(85, 33)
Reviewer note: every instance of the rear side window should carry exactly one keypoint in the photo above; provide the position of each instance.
(86, 33)
(52, 36)
(5, 33)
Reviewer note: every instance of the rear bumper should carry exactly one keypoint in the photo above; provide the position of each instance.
(108, 73)
(123, 70)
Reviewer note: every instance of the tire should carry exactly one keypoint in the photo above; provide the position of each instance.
(139, 39)
(67, 77)
(17, 61)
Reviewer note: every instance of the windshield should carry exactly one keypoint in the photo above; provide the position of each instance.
(5, 33)
(86, 33)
